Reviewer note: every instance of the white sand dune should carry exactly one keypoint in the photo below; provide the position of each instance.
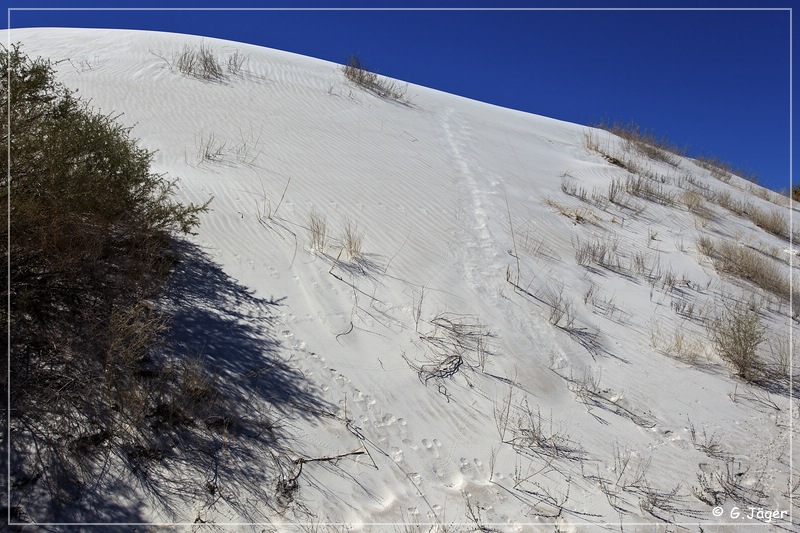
(582, 427)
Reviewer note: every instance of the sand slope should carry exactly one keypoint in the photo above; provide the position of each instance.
(449, 393)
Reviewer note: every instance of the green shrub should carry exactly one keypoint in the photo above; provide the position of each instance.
(90, 243)
(737, 335)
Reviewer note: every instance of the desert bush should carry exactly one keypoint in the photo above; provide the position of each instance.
(357, 72)
(91, 245)
(737, 335)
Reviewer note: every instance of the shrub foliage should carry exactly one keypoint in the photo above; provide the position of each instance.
(737, 335)
(88, 247)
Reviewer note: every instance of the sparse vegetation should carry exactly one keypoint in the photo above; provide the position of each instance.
(748, 264)
(200, 63)
(602, 252)
(352, 238)
(695, 204)
(562, 311)
(456, 341)
(318, 231)
(357, 72)
(719, 169)
(649, 190)
(236, 62)
(771, 220)
(645, 142)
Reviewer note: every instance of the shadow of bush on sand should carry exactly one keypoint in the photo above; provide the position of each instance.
(213, 437)
(238, 389)
(229, 329)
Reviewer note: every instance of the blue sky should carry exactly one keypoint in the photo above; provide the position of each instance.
(717, 81)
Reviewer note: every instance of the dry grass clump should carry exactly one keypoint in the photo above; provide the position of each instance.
(236, 62)
(771, 220)
(719, 169)
(318, 231)
(645, 143)
(696, 205)
(723, 198)
(705, 245)
(681, 344)
(562, 311)
(723, 170)
(747, 264)
(648, 190)
(203, 64)
(781, 351)
(200, 63)
(579, 215)
(357, 72)
(353, 237)
(598, 251)
(594, 197)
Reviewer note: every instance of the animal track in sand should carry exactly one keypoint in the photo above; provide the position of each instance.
(397, 454)
(473, 469)
(432, 446)
(410, 444)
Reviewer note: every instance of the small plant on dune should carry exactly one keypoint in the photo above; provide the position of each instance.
(209, 148)
(694, 204)
(201, 63)
(750, 265)
(318, 231)
(737, 334)
(645, 143)
(456, 341)
(771, 220)
(353, 238)
(357, 72)
(562, 312)
(235, 63)
(719, 169)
